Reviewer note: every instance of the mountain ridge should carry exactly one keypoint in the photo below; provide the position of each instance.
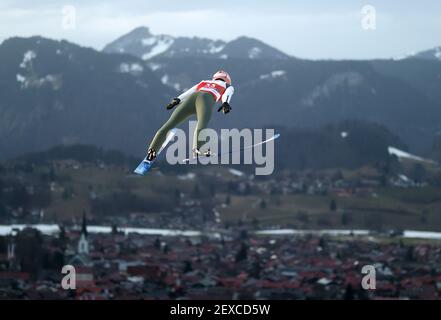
(56, 92)
(142, 43)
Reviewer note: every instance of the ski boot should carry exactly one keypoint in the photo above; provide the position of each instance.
(151, 154)
(197, 153)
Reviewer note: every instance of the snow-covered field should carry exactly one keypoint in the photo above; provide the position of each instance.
(411, 234)
(314, 232)
(51, 229)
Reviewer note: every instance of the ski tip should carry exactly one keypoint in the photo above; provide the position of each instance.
(143, 167)
(138, 172)
(189, 160)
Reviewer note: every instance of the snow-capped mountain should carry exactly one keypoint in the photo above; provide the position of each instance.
(143, 44)
(431, 54)
(56, 92)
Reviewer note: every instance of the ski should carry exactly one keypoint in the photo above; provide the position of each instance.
(274, 137)
(145, 164)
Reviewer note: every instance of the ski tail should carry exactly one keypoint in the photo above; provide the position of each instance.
(274, 137)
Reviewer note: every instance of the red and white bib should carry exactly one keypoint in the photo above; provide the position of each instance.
(216, 88)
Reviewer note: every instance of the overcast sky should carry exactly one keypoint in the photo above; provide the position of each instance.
(318, 29)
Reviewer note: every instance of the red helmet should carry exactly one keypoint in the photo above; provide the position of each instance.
(221, 74)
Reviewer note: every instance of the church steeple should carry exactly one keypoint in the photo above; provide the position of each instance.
(84, 225)
(83, 243)
(13, 265)
(11, 250)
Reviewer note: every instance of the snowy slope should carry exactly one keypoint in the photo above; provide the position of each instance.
(405, 155)
(56, 92)
(432, 54)
(143, 44)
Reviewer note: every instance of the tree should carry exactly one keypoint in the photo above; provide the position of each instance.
(223, 240)
(383, 180)
(243, 234)
(418, 172)
(333, 205)
(196, 191)
(231, 187)
(66, 193)
(247, 189)
(30, 251)
(52, 174)
(323, 221)
(62, 234)
(212, 190)
(188, 267)
(302, 216)
(424, 215)
(262, 204)
(19, 197)
(345, 218)
(2, 205)
(338, 175)
(2, 210)
(42, 198)
(256, 269)
(1, 189)
(242, 254)
(228, 200)
(436, 179)
(322, 242)
(255, 223)
(157, 244)
(349, 292)
(409, 254)
(275, 199)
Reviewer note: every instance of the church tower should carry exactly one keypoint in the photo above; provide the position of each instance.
(11, 251)
(83, 243)
(11, 246)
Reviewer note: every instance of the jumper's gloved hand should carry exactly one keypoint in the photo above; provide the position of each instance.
(225, 107)
(173, 103)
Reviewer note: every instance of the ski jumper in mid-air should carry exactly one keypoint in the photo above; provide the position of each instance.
(200, 101)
